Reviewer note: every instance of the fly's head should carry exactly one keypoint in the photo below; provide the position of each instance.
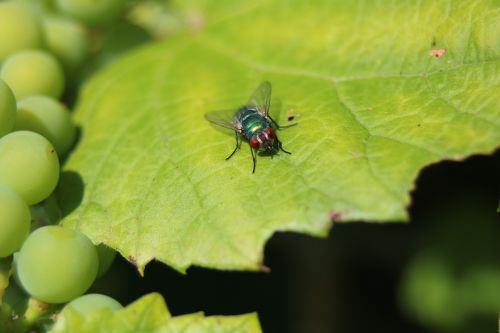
(264, 140)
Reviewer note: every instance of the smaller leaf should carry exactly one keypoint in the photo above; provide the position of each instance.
(215, 324)
(150, 314)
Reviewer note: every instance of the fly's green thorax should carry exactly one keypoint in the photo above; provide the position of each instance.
(252, 122)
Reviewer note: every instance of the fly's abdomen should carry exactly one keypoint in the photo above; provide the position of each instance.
(253, 123)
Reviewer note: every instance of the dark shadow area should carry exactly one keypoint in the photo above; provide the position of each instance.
(69, 191)
(350, 281)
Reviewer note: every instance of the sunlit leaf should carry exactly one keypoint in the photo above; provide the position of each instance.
(379, 89)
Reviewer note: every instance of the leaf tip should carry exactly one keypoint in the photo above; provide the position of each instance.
(140, 268)
(264, 269)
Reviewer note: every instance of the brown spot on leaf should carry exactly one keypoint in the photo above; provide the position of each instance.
(132, 260)
(164, 140)
(290, 114)
(336, 215)
(354, 153)
(437, 52)
(195, 22)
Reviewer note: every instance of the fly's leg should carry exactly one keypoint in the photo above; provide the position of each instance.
(254, 158)
(278, 126)
(238, 145)
(280, 145)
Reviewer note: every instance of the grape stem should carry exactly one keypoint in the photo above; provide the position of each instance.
(35, 309)
(38, 312)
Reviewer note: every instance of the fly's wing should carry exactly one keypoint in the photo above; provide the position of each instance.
(224, 118)
(261, 98)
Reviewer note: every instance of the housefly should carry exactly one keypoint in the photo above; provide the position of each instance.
(253, 123)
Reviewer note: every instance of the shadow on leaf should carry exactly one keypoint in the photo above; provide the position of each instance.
(69, 192)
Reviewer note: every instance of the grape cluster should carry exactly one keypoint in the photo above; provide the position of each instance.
(43, 47)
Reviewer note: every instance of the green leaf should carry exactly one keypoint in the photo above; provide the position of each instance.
(214, 324)
(150, 314)
(379, 89)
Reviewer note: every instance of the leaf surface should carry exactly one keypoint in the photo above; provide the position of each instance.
(379, 89)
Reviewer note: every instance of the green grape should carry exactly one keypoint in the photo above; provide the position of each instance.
(15, 275)
(29, 165)
(57, 264)
(429, 292)
(480, 290)
(48, 117)
(7, 109)
(38, 7)
(19, 29)
(92, 12)
(15, 258)
(106, 258)
(87, 304)
(14, 221)
(33, 72)
(68, 40)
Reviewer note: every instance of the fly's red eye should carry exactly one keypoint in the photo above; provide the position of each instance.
(254, 142)
(270, 132)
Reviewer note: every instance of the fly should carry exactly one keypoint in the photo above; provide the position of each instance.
(252, 122)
